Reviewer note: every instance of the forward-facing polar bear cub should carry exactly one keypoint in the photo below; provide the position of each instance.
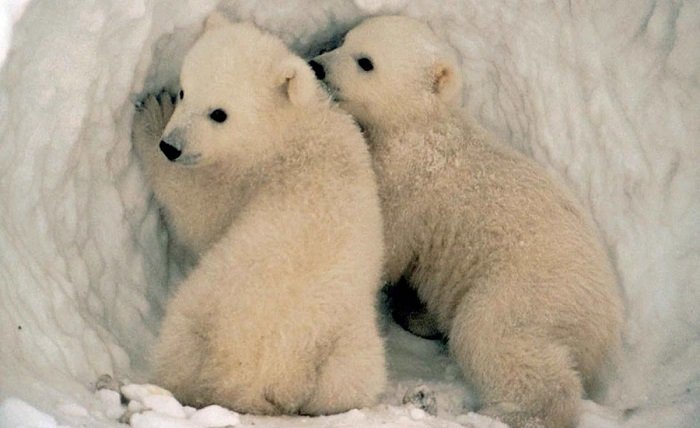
(279, 314)
(502, 255)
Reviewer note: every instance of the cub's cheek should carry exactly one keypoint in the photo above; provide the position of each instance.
(333, 88)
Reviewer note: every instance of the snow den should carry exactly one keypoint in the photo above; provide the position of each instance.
(604, 93)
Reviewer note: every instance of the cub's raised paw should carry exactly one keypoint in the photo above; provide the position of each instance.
(151, 116)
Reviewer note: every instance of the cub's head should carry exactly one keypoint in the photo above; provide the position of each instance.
(390, 70)
(240, 91)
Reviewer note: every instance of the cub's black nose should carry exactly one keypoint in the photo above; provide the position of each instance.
(169, 151)
(318, 69)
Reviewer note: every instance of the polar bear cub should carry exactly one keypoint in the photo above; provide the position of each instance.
(278, 316)
(501, 254)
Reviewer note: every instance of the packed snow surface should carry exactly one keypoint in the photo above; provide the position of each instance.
(604, 93)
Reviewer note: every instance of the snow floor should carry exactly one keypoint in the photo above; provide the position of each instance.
(604, 93)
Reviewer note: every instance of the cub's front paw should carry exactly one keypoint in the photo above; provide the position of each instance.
(151, 116)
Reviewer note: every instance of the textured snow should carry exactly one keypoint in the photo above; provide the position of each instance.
(15, 412)
(604, 93)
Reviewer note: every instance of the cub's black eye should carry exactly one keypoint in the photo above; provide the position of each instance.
(218, 115)
(365, 63)
(182, 94)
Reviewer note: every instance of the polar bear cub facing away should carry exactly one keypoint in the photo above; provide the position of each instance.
(278, 316)
(503, 257)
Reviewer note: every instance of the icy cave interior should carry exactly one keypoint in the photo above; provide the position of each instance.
(604, 93)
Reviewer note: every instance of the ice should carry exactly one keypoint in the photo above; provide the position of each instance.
(604, 93)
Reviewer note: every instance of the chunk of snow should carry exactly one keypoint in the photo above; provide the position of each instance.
(111, 403)
(417, 414)
(139, 393)
(164, 404)
(135, 406)
(215, 416)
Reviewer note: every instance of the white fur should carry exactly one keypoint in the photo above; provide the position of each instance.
(505, 259)
(279, 203)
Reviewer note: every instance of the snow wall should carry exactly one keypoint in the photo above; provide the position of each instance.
(605, 93)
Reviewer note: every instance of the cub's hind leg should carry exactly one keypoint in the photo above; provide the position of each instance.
(523, 378)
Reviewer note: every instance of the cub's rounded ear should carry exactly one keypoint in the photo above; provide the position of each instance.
(446, 81)
(297, 81)
(216, 20)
